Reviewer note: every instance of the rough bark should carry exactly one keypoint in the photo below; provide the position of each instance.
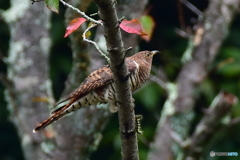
(94, 118)
(79, 134)
(209, 125)
(73, 137)
(108, 15)
(28, 72)
(177, 113)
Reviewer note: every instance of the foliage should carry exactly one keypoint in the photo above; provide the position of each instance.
(52, 5)
(132, 26)
(224, 75)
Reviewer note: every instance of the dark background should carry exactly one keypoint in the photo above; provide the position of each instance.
(224, 75)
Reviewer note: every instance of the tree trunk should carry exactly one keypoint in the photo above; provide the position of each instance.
(29, 92)
(28, 72)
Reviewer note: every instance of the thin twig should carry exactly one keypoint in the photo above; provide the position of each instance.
(128, 49)
(229, 125)
(144, 140)
(175, 136)
(181, 15)
(93, 14)
(182, 33)
(233, 122)
(192, 7)
(158, 81)
(82, 13)
(159, 72)
(94, 43)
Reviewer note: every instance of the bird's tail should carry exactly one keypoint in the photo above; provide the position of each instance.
(50, 120)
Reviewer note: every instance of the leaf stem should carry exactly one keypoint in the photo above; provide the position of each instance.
(94, 43)
(82, 13)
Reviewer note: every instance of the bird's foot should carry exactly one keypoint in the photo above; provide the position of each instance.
(138, 118)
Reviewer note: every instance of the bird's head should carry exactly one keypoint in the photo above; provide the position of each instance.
(144, 56)
(150, 53)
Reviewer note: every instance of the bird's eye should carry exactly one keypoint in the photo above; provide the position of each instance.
(148, 54)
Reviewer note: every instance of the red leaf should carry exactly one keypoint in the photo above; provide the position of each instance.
(74, 25)
(132, 26)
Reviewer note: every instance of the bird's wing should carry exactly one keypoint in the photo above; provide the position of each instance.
(132, 66)
(95, 80)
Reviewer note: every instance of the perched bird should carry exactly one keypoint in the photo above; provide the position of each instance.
(99, 86)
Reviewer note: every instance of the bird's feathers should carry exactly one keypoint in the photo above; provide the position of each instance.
(98, 80)
(95, 80)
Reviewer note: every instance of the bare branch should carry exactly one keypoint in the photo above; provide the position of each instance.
(182, 33)
(130, 40)
(180, 15)
(160, 77)
(210, 124)
(233, 122)
(179, 113)
(192, 7)
(107, 13)
(159, 72)
(94, 43)
(81, 13)
(158, 81)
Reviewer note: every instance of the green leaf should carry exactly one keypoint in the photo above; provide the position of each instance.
(229, 65)
(148, 25)
(230, 70)
(53, 5)
(233, 52)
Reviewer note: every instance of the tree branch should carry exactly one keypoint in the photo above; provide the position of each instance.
(209, 124)
(126, 115)
(91, 119)
(177, 112)
(94, 43)
(192, 7)
(81, 13)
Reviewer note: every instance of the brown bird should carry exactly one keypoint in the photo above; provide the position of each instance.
(98, 87)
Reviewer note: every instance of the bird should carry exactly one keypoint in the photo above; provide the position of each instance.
(99, 87)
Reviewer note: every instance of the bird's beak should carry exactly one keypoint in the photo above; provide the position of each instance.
(154, 52)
